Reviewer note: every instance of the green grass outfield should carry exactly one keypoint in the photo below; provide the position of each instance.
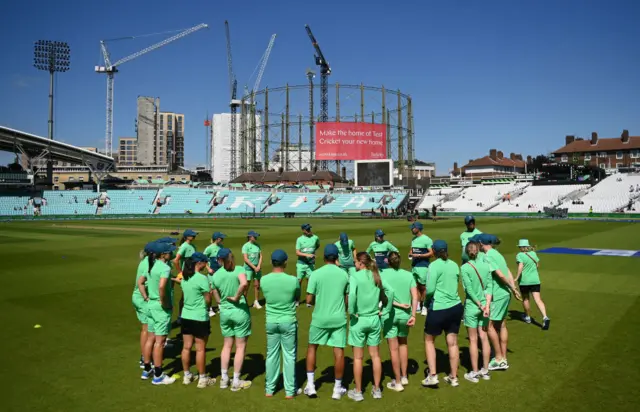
(76, 278)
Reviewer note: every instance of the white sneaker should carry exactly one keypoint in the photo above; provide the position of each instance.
(423, 312)
(404, 381)
(451, 381)
(188, 378)
(338, 393)
(353, 394)
(163, 380)
(484, 374)
(206, 382)
(395, 386)
(526, 319)
(212, 312)
(308, 305)
(257, 305)
(224, 383)
(376, 393)
(310, 391)
(240, 385)
(472, 377)
(431, 380)
(297, 304)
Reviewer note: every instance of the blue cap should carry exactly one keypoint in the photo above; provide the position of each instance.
(218, 235)
(344, 239)
(331, 250)
(306, 226)
(475, 238)
(160, 248)
(199, 257)
(416, 225)
(169, 240)
(190, 232)
(379, 233)
(253, 233)
(487, 239)
(279, 255)
(224, 253)
(439, 245)
(149, 247)
(468, 219)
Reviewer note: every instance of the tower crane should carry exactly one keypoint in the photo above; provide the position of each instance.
(110, 69)
(262, 64)
(325, 71)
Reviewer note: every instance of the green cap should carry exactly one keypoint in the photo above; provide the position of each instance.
(523, 243)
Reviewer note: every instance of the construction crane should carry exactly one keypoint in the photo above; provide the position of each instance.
(112, 68)
(262, 64)
(233, 90)
(325, 71)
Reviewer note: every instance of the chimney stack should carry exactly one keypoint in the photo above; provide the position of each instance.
(625, 136)
(529, 159)
(493, 154)
(594, 138)
(512, 156)
(470, 160)
(500, 155)
(569, 139)
(519, 157)
(455, 166)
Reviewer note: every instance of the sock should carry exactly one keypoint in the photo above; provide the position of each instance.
(202, 376)
(403, 377)
(147, 367)
(311, 380)
(158, 371)
(546, 318)
(236, 377)
(187, 373)
(225, 374)
(338, 383)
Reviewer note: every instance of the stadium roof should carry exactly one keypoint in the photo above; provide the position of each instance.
(606, 144)
(304, 176)
(496, 158)
(12, 140)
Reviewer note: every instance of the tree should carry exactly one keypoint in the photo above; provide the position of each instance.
(538, 161)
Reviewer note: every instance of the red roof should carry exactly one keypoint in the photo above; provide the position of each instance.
(487, 161)
(607, 144)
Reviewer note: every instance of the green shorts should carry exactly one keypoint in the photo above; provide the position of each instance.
(159, 320)
(142, 311)
(334, 337)
(499, 309)
(473, 317)
(235, 323)
(394, 326)
(303, 270)
(364, 331)
(420, 274)
(251, 275)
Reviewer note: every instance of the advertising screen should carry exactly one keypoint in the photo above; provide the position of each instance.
(373, 173)
(350, 141)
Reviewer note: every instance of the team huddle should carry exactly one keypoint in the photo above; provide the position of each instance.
(367, 290)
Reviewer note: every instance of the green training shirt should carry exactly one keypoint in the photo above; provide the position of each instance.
(496, 262)
(195, 306)
(329, 286)
(442, 284)
(464, 239)
(345, 253)
(421, 245)
(160, 270)
(364, 295)
(400, 281)
(227, 284)
(381, 251)
(307, 244)
(185, 251)
(252, 250)
(281, 292)
(212, 253)
(477, 281)
(143, 270)
(529, 262)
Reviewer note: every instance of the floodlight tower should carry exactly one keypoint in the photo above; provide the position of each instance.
(51, 56)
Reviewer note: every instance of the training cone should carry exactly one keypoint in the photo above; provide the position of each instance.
(37, 326)
(176, 376)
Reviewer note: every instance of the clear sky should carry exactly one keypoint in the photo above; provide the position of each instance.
(513, 75)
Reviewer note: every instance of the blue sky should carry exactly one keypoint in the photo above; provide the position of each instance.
(513, 75)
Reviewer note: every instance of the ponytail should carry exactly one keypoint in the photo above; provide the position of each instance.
(182, 240)
(394, 260)
(189, 268)
(442, 254)
(365, 259)
(151, 257)
(228, 263)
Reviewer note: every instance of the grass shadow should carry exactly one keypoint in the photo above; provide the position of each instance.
(519, 316)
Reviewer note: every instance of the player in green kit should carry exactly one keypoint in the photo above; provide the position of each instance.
(528, 265)
(347, 253)
(185, 250)
(217, 243)
(281, 292)
(399, 318)
(477, 282)
(327, 288)
(306, 247)
(229, 286)
(471, 231)
(140, 298)
(252, 256)
(421, 252)
(366, 293)
(160, 304)
(502, 287)
(444, 313)
(196, 327)
(380, 249)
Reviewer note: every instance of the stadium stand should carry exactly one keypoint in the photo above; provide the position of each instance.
(296, 203)
(123, 202)
(610, 194)
(185, 200)
(15, 206)
(535, 198)
(70, 202)
(480, 198)
(240, 202)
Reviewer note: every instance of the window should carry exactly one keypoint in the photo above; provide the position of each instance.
(587, 156)
(619, 154)
(565, 158)
(618, 165)
(635, 154)
(602, 166)
(602, 154)
(81, 179)
(158, 177)
(55, 179)
(71, 179)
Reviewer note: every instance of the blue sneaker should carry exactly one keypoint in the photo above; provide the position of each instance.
(163, 380)
(146, 375)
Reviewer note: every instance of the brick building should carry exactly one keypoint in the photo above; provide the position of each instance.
(495, 164)
(606, 153)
